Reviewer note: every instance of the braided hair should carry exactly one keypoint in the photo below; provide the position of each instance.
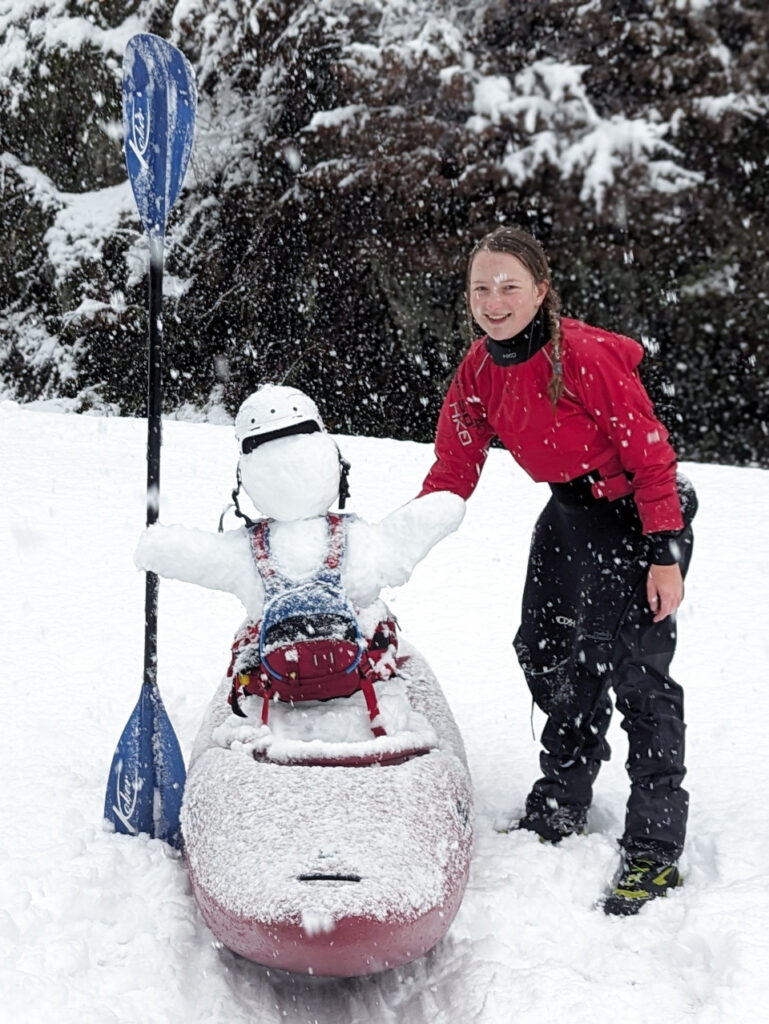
(516, 242)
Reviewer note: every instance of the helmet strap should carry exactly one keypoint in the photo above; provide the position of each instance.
(344, 493)
(344, 483)
(234, 504)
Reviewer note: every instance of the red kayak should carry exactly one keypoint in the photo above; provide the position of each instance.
(335, 859)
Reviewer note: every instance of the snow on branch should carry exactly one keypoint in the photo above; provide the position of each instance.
(553, 121)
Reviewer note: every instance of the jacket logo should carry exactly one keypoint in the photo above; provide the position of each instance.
(460, 420)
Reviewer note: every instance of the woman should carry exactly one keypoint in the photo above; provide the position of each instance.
(608, 554)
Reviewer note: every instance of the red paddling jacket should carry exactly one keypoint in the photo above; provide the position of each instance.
(603, 424)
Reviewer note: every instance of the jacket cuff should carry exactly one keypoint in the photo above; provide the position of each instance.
(660, 514)
(665, 547)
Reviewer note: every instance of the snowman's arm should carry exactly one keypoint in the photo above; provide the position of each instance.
(219, 561)
(385, 554)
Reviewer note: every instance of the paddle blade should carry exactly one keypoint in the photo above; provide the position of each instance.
(146, 780)
(159, 104)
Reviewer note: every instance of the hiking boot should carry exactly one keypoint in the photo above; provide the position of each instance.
(553, 827)
(641, 880)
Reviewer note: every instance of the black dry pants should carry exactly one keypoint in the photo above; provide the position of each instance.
(586, 627)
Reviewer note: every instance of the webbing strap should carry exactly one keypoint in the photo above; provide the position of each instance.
(336, 540)
(260, 546)
(367, 685)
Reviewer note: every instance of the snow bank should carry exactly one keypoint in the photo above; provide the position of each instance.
(102, 929)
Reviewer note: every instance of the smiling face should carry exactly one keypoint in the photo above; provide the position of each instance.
(503, 294)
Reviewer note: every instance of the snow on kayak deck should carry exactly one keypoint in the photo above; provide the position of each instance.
(330, 730)
(396, 837)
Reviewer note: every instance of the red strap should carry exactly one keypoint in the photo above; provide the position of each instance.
(259, 547)
(612, 487)
(373, 707)
(367, 686)
(336, 541)
(335, 547)
(232, 660)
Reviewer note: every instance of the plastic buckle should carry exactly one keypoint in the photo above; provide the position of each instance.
(612, 488)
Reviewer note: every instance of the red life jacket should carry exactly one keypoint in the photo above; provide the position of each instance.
(308, 644)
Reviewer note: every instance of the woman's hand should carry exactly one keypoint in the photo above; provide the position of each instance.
(664, 590)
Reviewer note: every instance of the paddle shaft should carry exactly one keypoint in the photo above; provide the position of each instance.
(154, 441)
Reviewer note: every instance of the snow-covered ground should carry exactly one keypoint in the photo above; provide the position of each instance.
(98, 928)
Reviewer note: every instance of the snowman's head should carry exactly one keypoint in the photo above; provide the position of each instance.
(289, 466)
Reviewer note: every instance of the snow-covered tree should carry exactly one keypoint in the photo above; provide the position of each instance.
(348, 154)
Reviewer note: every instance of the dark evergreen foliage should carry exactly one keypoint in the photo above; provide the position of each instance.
(348, 155)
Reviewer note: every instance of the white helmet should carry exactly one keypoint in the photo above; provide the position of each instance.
(299, 478)
(275, 411)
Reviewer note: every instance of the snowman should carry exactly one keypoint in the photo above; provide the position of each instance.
(293, 472)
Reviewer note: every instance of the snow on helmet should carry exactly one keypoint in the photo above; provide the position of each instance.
(297, 479)
(272, 412)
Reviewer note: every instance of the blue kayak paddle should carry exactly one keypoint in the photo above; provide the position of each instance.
(146, 780)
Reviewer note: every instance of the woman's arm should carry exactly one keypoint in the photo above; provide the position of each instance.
(463, 434)
(605, 374)
(615, 397)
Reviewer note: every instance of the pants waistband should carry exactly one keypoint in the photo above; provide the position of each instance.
(590, 489)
